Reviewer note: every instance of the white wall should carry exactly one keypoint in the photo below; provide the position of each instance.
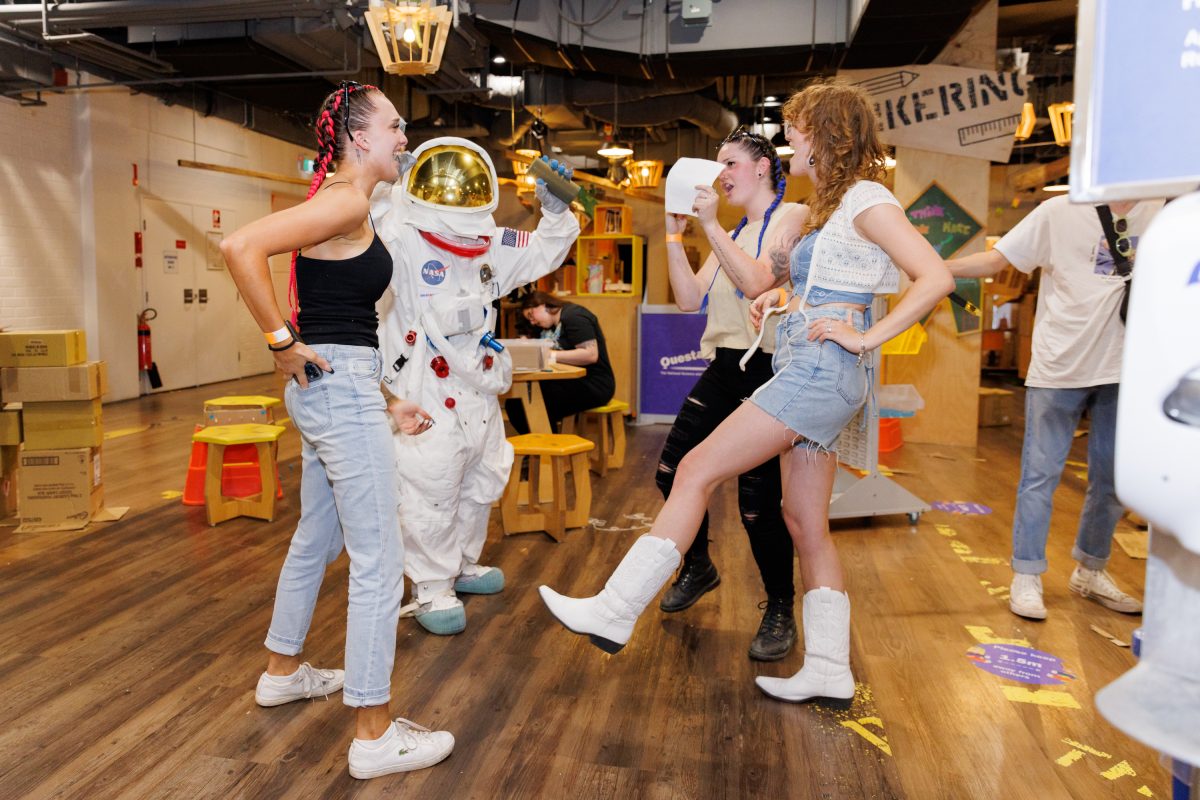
(69, 211)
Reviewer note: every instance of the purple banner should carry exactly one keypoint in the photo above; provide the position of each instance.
(670, 358)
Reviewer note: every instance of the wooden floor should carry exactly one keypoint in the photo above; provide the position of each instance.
(129, 653)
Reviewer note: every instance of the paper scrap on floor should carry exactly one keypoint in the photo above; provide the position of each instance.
(682, 180)
(1136, 544)
(1110, 637)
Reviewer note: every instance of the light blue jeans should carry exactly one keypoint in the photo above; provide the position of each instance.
(347, 498)
(1051, 417)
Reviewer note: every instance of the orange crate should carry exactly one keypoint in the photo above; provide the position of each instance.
(889, 435)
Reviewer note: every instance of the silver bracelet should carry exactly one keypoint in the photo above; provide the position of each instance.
(862, 349)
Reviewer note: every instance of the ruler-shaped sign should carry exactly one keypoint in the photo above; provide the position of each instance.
(964, 112)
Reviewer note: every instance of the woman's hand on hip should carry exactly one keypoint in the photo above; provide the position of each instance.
(292, 360)
(826, 329)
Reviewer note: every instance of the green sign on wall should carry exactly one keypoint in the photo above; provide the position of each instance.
(944, 223)
(947, 226)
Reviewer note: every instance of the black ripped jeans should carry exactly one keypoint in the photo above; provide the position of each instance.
(720, 390)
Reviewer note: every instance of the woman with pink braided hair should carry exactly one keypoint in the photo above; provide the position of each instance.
(348, 497)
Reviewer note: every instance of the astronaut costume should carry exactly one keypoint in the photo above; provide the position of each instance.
(451, 263)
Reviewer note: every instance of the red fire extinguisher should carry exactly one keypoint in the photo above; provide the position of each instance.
(145, 357)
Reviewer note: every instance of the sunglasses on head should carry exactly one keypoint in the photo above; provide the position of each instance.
(347, 87)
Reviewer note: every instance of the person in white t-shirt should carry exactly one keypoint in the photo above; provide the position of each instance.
(1076, 366)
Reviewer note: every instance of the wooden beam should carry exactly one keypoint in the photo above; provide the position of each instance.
(1042, 174)
(245, 173)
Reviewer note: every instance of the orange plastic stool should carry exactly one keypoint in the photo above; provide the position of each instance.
(889, 435)
(239, 476)
(222, 507)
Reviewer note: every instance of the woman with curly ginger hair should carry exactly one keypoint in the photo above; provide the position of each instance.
(851, 244)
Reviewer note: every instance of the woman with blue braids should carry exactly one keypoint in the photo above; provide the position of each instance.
(754, 181)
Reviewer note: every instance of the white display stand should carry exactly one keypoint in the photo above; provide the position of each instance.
(873, 494)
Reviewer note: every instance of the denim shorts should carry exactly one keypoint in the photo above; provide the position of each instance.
(818, 386)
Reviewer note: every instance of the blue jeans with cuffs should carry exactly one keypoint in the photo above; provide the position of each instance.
(1051, 417)
(348, 498)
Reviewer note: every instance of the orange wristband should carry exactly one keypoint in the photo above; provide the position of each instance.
(783, 297)
(675, 237)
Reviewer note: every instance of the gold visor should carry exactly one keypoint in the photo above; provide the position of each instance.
(451, 176)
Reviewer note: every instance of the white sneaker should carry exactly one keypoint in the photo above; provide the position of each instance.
(406, 746)
(304, 683)
(1097, 584)
(1025, 596)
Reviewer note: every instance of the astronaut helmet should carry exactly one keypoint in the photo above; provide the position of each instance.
(452, 176)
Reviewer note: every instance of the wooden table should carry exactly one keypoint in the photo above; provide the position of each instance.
(526, 387)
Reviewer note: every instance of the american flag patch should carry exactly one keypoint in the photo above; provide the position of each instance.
(514, 238)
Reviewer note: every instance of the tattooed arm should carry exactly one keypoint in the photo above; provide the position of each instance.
(752, 276)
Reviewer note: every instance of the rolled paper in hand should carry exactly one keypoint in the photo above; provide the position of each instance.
(559, 186)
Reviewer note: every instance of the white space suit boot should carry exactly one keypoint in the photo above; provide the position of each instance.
(608, 618)
(437, 608)
(478, 579)
(826, 671)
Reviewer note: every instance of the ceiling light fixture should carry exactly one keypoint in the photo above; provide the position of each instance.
(610, 148)
(409, 38)
(1060, 122)
(1025, 125)
(497, 59)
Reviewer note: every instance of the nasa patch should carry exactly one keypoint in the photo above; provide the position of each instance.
(433, 272)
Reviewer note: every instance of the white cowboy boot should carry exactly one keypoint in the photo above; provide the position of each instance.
(826, 671)
(608, 618)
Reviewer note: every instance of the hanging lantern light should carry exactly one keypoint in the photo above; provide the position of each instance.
(409, 37)
(1060, 122)
(645, 174)
(1025, 125)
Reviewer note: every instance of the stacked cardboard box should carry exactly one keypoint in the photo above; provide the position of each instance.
(995, 407)
(47, 373)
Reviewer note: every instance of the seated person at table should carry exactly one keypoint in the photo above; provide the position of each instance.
(578, 341)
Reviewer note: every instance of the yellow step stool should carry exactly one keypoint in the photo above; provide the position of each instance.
(521, 507)
(609, 420)
(265, 439)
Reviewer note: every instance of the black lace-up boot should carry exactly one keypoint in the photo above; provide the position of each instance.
(697, 577)
(777, 631)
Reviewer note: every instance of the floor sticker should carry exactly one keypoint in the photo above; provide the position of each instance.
(1122, 769)
(960, 507)
(859, 727)
(1041, 697)
(1020, 664)
(984, 635)
(171, 494)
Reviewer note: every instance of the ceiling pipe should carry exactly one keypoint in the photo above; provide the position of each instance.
(121, 13)
(709, 116)
(58, 37)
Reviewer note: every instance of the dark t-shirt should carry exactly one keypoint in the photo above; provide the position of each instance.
(576, 326)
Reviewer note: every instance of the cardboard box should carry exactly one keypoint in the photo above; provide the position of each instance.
(528, 355)
(9, 461)
(995, 407)
(59, 489)
(42, 348)
(10, 427)
(61, 425)
(41, 384)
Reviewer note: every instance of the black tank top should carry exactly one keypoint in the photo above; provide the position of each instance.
(337, 296)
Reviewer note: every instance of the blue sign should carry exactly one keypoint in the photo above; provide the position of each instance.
(670, 359)
(433, 272)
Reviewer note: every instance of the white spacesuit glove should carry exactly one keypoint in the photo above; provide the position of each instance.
(549, 201)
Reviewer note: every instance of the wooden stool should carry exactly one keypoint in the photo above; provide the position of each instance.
(265, 440)
(532, 515)
(610, 449)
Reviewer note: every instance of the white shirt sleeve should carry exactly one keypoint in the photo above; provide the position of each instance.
(865, 194)
(1027, 246)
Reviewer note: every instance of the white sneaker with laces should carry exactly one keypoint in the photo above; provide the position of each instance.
(405, 746)
(1097, 584)
(304, 683)
(1025, 596)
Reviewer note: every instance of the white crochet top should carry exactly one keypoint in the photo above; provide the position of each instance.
(842, 259)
